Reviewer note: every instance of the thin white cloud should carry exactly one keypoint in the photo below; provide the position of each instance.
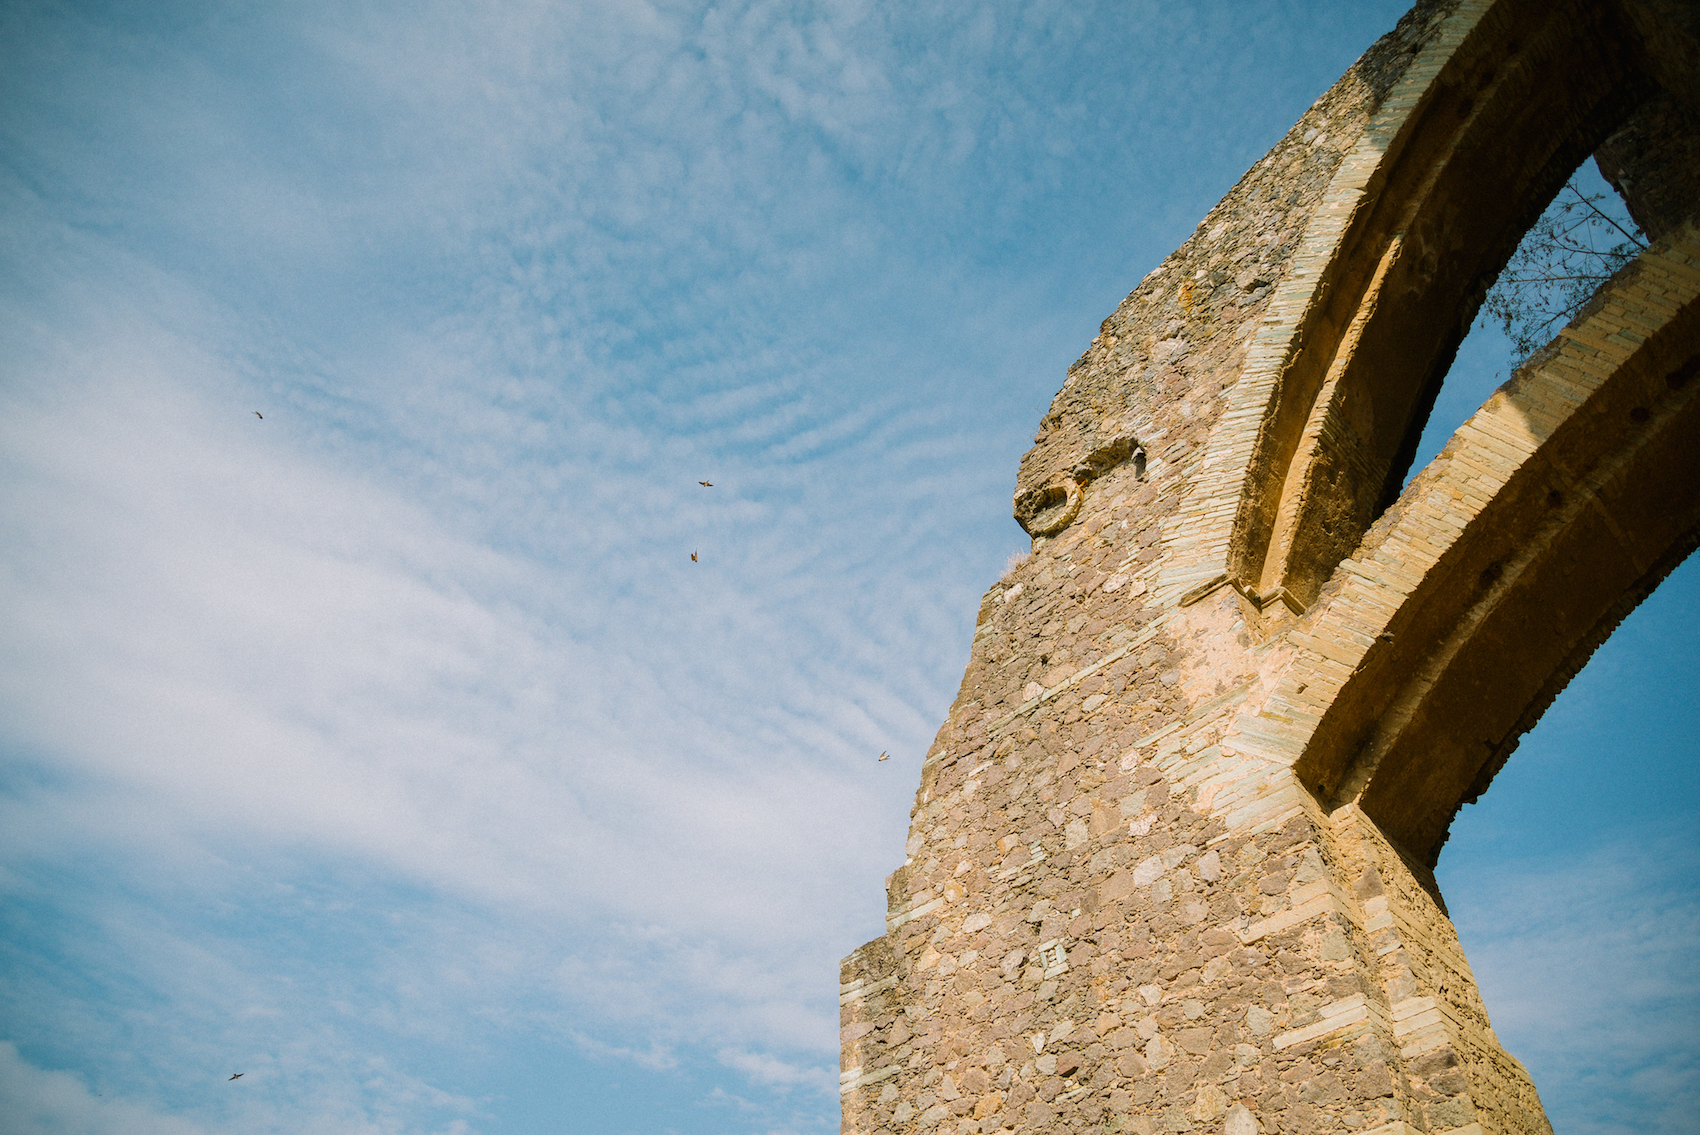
(656, 1056)
(765, 1069)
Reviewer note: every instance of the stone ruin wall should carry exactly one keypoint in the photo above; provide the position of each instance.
(1118, 911)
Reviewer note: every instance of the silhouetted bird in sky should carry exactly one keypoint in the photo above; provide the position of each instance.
(238, 1076)
(706, 484)
(693, 557)
(259, 415)
(885, 756)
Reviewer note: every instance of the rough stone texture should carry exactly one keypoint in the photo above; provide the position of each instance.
(1169, 863)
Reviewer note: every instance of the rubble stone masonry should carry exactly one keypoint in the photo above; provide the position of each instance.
(1169, 864)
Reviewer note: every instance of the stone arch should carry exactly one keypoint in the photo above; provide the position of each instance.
(1559, 506)
(1169, 861)
(1416, 223)
(1426, 212)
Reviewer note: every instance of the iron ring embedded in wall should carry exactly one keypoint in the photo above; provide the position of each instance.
(1072, 491)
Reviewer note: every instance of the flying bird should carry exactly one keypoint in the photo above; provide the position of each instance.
(238, 1076)
(259, 415)
(884, 756)
(706, 484)
(693, 557)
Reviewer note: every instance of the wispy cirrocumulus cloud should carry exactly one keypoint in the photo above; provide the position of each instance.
(390, 747)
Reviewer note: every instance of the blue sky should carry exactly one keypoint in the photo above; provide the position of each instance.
(391, 749)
